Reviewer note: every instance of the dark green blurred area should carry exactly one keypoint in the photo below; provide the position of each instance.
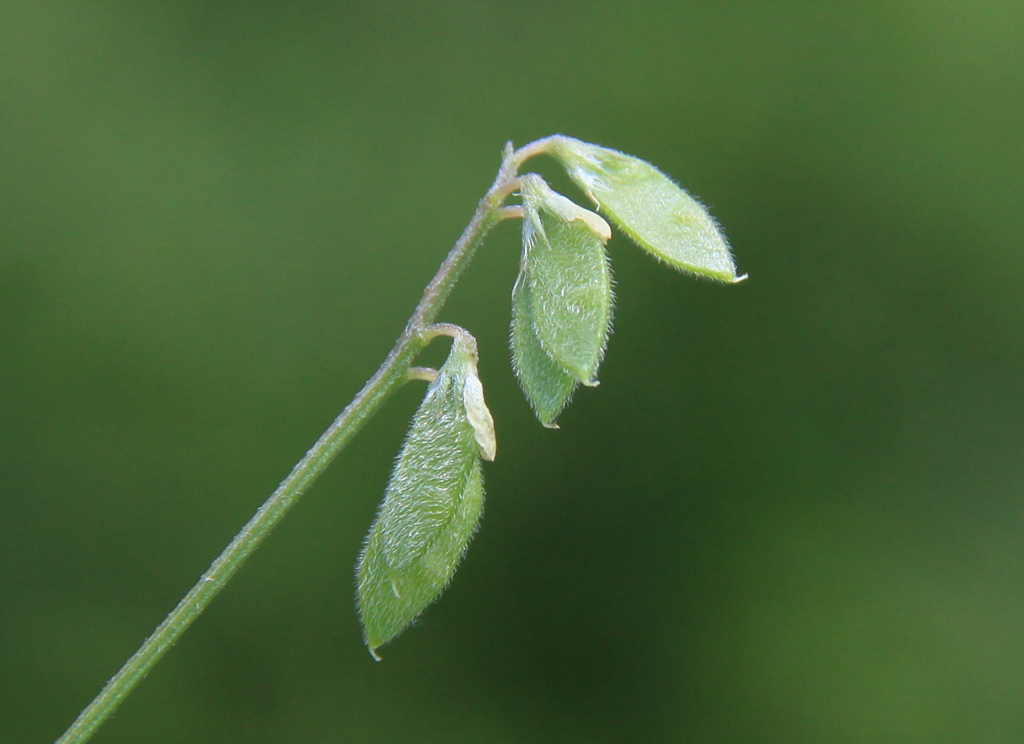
(792, 513)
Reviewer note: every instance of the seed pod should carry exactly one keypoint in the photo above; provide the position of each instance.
(570, 282)
(649, 207)
(568, 271)
(432, 503)
(548, 386)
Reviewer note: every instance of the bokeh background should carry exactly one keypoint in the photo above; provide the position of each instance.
(794, 510)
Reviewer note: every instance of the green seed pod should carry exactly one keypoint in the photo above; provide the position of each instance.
(570, 281)
(548, 386)
(432, 503)
(649, 207)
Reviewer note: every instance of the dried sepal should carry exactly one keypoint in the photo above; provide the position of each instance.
(479, 417)
(649, 207)
(432, 503)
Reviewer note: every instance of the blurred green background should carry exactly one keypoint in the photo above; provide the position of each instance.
(794, 510)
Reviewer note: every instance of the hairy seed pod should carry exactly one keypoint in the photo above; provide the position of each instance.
(432, 503)
(649, 207)
(562, 301)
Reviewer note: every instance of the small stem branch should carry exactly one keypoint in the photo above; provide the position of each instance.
(389, 377)
(425, 374)
(512, 212)
(450, 330)
(537, 147)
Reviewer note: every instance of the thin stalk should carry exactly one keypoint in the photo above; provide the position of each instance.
(393, 373)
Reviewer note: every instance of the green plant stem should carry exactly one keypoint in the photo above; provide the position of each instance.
(388, 378)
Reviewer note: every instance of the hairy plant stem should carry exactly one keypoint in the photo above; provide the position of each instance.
(391, 375)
